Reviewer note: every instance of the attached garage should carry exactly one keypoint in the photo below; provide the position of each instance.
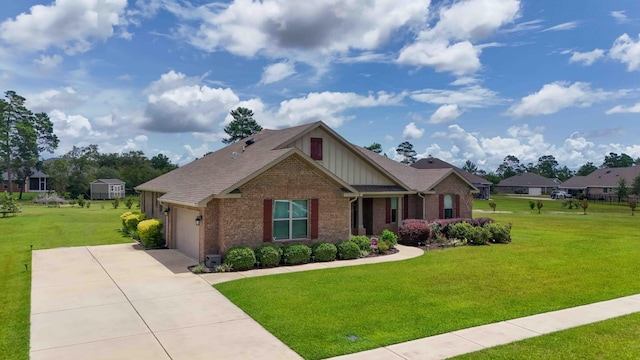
(535, 191)
(185, 231)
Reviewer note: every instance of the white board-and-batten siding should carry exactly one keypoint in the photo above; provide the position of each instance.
(342, 161)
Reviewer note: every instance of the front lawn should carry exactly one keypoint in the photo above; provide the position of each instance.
(43, 228)
(558, 259)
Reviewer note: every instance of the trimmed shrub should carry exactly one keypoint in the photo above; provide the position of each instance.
(348, 250)
(123, 216)
(131, 222)
(479, 236)
(389, 236)
(240, 258)
(128, 202)
(499, 233)
(296, 254)
(324, 252)
(150, 233)
(461, 231)
(383, 246)
(115, 203)
(268, 255)
(414, 231)
(364, 243)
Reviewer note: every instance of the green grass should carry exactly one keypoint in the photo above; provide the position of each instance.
(615, 339)
(43, 228)
(558, 259)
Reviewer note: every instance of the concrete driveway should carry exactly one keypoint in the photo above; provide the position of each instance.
(120, 302)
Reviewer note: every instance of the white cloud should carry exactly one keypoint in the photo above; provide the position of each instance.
(468, 97)
(563, 27)
(62, 99)
(69, 25)
(449, 45)
(556, 96)
(177, 103)
(620, 16)
(48, 63)
(459, 58)
(586, 58)
(300, 30)
(445, 113)
(276, 72)
(520, 141)
(328, 107)
(411, 131)
(621, 109)
(464, 81)
(626, 50)
(388, 138)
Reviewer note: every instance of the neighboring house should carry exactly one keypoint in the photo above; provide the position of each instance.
(37, 182)
(107, 189)
(527, 183)
(483, 185)
(298, 185)
(600, 184)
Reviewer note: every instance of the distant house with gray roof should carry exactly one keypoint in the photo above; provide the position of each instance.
(600, 184)
(527, 183)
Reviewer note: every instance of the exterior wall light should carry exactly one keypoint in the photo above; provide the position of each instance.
(198, 220)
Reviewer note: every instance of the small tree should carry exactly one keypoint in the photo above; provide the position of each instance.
(375, 147)
(8, 204)
(406, 150)
(243, 125)
(532, 204)
(539, 205)
(632, 205)
(584, 204)
(492, 205)
(622, 191)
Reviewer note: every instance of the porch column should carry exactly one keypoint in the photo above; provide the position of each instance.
(361, 229)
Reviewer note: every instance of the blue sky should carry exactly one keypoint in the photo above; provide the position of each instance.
(461, 80)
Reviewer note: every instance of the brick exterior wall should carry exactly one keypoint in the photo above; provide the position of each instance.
(239, 222)
(454, 186)
(380, 217)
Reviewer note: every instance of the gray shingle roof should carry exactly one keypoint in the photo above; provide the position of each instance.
(222, 171)
(435, 163)
(422, 180)
(607, 177)
(109, 181)
(216, 172)
(528, 179)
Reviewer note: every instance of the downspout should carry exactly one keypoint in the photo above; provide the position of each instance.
(424, 206)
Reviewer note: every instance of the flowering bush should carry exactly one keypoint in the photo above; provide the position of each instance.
(414, 231)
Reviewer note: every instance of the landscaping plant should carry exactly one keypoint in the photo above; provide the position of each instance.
(539, 205)
(240, 258)
(296, 254)
(150, 233)
(268, 255)
(348, 250)
(324, 252)
(414, 232)
(632, 206)
(390, 237)
(492, 205)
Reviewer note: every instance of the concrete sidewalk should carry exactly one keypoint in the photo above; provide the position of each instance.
(119, 302)
(481, 337)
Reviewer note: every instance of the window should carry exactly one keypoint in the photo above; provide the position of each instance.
(316, 148)
(448, 207)
(391, 210)
(290, 219)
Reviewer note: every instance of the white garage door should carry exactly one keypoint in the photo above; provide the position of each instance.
(186, 233)
(535, 191)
